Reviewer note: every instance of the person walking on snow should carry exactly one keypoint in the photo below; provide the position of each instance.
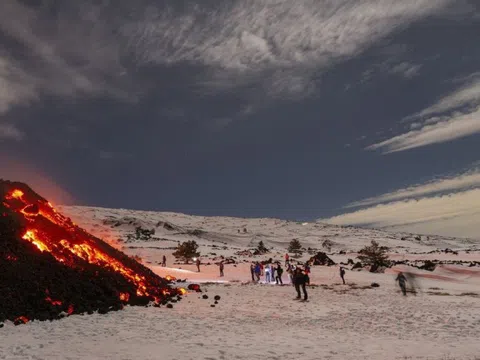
(164, 261)
(197, 262)
(401, 282)
(342, 274)
(252, 271)
(221, 268)
(287, 259)
(300, 281)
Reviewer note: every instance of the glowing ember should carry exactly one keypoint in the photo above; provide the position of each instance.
(53, 302)
(182, 291)
(21, 320)
(124, 297)
(11, 258)
(31, 236)
(17, 194)
(170, 278)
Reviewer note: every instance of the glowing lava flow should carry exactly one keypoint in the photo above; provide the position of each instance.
(51, 232)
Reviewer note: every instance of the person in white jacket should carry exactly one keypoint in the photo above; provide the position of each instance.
(268, 271)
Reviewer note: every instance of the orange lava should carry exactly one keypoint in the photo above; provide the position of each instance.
(67, 243)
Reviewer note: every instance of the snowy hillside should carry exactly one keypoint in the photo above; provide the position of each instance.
(239, 233)
(366, 318)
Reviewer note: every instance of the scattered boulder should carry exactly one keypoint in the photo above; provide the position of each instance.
(374, 284)
(321, 259)
(358, 265)
(428, 265)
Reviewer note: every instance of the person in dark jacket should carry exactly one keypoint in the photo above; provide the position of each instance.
(164, 261)
(221, 268)
(279, 272)
(252, 271)
(300, 281)
(342, 274)
(258, 271)
(401, 282)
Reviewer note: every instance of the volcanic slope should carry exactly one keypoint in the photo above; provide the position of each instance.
(51, 266)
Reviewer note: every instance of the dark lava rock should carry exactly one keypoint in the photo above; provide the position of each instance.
(205, 296)
(216, 302)
(212, 305)
(358, 265)
(217, 297)
(321, 259)
(374, 284)
(194, 287)
(428, 265)
(169, 306)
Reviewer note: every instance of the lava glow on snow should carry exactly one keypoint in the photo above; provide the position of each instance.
(51, 232)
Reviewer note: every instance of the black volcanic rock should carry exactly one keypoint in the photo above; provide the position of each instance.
(321, 259)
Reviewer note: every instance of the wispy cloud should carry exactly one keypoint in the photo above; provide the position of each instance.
(452, 117)
(454, 127)
(466, 95)
(453, 215)
(449, 206)
(68, 55)
(10, 132)
(280, 45)
(284, 41)
(468, 180)
(406, 69)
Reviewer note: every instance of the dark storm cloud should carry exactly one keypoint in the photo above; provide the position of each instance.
(236, 107)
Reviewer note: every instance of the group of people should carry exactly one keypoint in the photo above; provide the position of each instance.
(272, 272)
(298, 276)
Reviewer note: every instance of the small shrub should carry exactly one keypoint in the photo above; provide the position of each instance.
(187, 251)
(295, 247)
(374, 255)
(261, 248)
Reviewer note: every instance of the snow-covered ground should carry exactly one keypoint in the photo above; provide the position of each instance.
(262, 321)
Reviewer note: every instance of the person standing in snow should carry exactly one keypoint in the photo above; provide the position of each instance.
(287, 259)
(267, 274)
(401, 282)
(342, 274)
(300, 281)
(278, 278)
(164, 261)
(290, 274)
(258, 271)
(197, 262)
(307, 273)
(252, 271)
(221, 268)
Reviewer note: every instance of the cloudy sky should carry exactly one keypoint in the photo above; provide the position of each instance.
(362, 112)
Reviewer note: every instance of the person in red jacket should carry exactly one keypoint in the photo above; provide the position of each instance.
(287, 259)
